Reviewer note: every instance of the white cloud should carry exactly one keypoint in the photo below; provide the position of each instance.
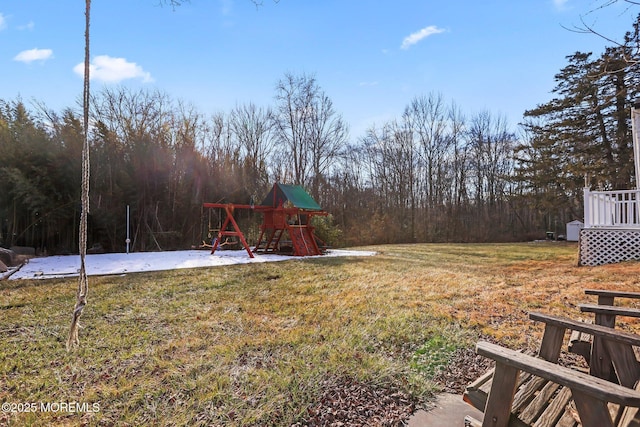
(3, 22)
(226, 7)
(31, 55)
(29, 26)
(113, 70)
(414, 38)
(560, 4)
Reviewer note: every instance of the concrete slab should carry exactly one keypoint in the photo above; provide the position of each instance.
(448, 410)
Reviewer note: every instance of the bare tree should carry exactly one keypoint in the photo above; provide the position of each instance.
(252, 126)
(459, 157)
(426, 119)
(393, 168)
(295, 96)
(308, 128)
(329, 135)
(491, 149)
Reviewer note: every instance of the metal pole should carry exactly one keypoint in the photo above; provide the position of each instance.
(128, 239)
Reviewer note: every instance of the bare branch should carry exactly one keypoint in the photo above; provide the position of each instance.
(589, 29)
(172, 3)
(585, 28)
(259, 3)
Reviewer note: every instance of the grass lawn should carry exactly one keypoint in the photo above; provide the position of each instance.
(263, 344)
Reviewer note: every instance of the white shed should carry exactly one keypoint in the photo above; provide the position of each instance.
(573, 230)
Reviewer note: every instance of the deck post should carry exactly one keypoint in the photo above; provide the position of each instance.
(635, 128)
(588, 221)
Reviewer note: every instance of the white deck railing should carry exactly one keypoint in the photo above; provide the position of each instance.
(612, 209)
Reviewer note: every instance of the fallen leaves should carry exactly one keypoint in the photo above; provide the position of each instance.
(348, 402)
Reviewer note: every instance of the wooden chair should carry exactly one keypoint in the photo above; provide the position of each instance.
(616, 347)
(539, 400)
(605, 314)
(593, 398)
(605, 311)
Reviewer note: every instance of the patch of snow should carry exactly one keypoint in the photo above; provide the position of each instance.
(119, 263)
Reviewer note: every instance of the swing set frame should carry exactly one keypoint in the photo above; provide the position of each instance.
(229, 209)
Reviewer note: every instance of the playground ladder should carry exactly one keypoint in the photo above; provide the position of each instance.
(269, 245)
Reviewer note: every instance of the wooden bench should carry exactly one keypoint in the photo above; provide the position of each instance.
(536, 400)
(596, 402)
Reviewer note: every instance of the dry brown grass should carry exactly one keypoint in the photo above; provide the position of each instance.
(253, 344)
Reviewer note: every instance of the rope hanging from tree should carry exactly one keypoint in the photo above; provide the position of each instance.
(83, 281)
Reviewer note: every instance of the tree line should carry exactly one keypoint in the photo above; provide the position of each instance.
(433, 174)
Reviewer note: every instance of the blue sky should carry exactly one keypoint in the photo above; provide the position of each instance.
(371, 57)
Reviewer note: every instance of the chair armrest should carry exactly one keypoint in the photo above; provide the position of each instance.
(588, 328)
(613, 294)
(610, 310)
(595, 387)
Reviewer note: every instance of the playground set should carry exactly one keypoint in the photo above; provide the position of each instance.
(286, 227)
